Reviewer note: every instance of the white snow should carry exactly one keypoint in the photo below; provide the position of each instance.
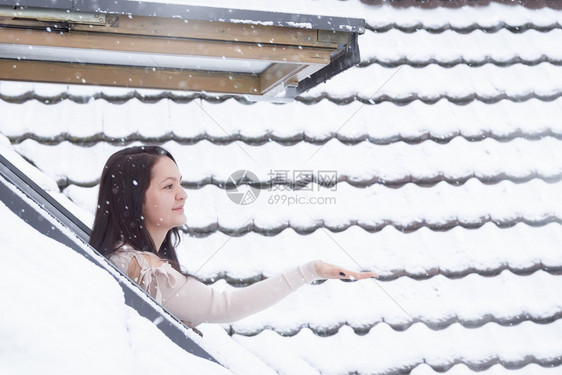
(450, 46)
(470, 203)
(40, 178)
(433, 81)
(462, 369)
(473, 203)
(437, 302)
(388, 252)
(252, 22)
(384, 348)
(456, 160)
(383, 122)
(62, 314)
(44, 181)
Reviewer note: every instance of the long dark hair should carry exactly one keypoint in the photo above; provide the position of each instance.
(119, 215)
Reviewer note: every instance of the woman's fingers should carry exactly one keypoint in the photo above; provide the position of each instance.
(330, 271)
(367, 275)
(352, 275)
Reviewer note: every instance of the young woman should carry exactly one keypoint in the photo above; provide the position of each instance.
(140, 207)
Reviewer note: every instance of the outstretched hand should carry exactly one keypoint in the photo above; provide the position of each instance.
(331, 271)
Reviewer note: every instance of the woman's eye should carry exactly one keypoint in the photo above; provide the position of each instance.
(168, 187)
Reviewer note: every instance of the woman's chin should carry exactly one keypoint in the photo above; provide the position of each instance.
(183, 220)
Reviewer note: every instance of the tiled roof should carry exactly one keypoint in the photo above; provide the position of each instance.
(447, 144)
(531, 4)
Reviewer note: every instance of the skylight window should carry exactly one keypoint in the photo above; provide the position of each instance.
(174, 47)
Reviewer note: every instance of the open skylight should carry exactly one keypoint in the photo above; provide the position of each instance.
(173, 47)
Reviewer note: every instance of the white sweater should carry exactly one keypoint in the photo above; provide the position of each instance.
(196, 303)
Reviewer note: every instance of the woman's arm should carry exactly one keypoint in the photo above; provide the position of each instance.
(195, 303)
(198, 303)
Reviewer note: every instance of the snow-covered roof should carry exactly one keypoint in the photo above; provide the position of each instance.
(445, 143)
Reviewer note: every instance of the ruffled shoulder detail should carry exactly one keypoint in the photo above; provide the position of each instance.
(159, 281)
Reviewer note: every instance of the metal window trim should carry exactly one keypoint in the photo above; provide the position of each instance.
(350, 58)
(213, 14)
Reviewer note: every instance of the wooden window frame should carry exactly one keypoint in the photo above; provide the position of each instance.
(292, 54)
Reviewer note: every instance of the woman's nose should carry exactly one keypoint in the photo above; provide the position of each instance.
(182, 195)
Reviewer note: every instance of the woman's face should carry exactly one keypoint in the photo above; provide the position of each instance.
(164, 199)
